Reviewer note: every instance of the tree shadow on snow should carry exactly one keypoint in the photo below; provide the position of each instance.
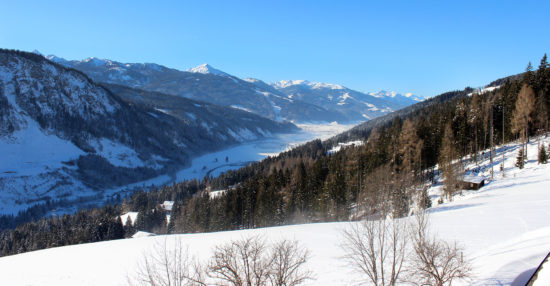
(452, 208)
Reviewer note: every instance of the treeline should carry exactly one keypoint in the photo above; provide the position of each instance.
(387, 173)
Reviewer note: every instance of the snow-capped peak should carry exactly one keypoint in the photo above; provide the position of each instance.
(384, 93)
(207, 69)
(56, 59)
(313, 85)
(393, 94)
(37, 52)
(95, 61)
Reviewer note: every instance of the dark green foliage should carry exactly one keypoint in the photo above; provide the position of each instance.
(543, 156)
(82, 227)
(520, 159)
(425, 201)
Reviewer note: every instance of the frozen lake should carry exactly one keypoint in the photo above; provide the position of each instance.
(215, 163)
(234, 157)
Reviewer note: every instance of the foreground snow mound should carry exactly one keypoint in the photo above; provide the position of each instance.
(503, 228)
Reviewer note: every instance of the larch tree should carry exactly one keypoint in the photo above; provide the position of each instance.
(452, 171)
(410, 148)
(525, 105)
(475, 116)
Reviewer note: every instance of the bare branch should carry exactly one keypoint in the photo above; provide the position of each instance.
(376, 248)
(436, 262)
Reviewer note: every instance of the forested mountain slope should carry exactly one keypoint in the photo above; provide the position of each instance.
(62, 136)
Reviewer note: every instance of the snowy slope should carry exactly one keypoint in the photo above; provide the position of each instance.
(503, 227)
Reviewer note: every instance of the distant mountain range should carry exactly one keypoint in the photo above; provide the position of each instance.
(291, 100)
(64, 136)
(355, 105)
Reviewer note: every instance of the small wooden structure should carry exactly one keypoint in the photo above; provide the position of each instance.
(470, 182)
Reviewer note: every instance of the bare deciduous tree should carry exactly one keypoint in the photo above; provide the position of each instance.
(288, 259)
(525, 105)
(169, 266)
(252, 262)
(452, 170)
(435, 262)
(377, 249)
(240, 263)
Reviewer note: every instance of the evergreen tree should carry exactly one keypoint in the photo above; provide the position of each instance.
(528, 77)
(425, 201)
(520, 159)
(543, 156)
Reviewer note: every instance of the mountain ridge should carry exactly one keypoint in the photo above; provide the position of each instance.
(206, 83)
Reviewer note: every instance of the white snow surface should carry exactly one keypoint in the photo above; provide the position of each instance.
(313, 85)
(118, 154)
(543, 276)
(32, 151)
(503, 228)
(343, 145)
(207, 69)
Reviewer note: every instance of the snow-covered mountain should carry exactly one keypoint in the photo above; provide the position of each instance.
(400, 97)
(298, 101)
(64, 136)
(207, 69)
(354, 104)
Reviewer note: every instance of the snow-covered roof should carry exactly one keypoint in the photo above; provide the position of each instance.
(217, 193)
(167, 205)
(473, 179)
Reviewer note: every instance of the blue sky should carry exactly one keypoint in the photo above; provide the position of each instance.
(423, 47)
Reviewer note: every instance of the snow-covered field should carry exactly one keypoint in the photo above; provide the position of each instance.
(503, 227)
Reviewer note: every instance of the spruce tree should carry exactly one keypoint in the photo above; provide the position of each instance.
(425, 201)
(543, 156)
(520, 159)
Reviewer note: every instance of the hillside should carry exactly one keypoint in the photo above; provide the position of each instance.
(65, 137)
(503, 228)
